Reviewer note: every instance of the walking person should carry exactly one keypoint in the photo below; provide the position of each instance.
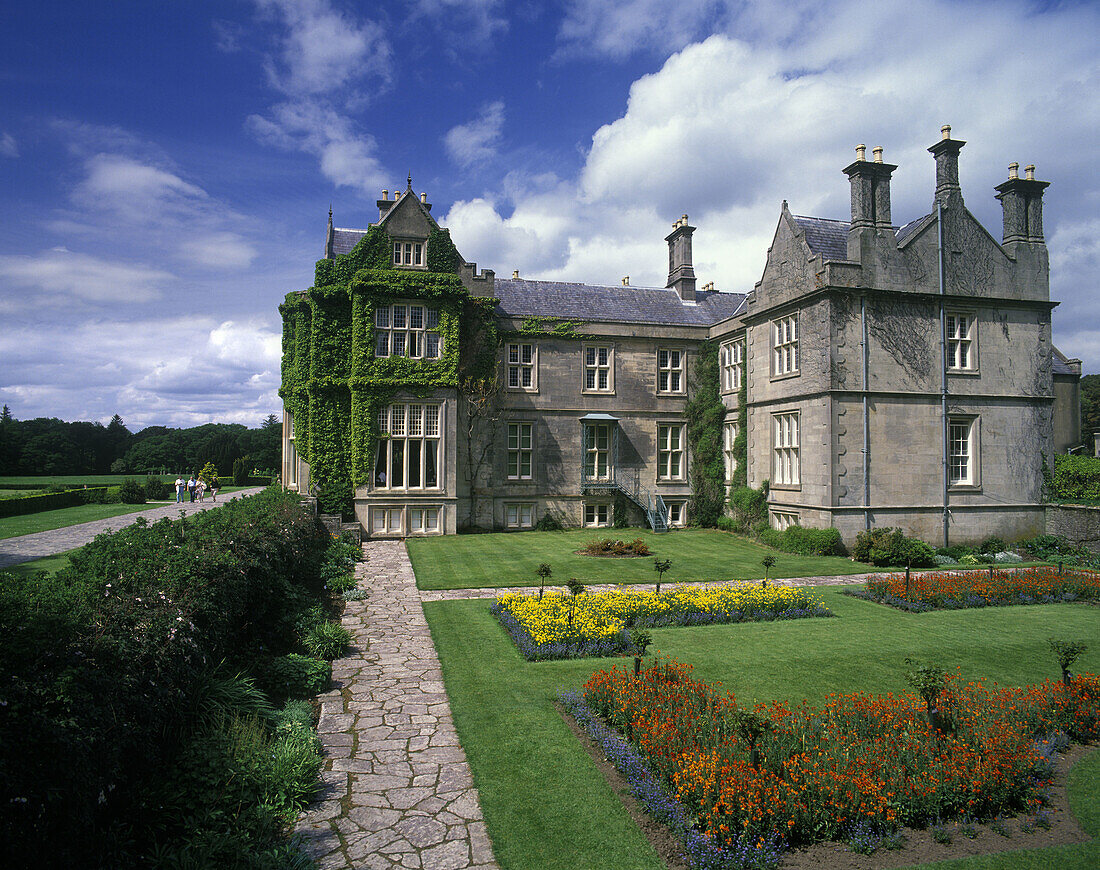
(201, 489)
(215, 485)
(180, 487)
(191, 484)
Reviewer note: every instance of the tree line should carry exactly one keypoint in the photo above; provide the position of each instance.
(49, 446)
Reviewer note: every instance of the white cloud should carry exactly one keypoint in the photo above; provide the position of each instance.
(8, 146)
(477, 141)
(224, 250)
(119, 182)
(621, 29)
(477, 21)
(82, 276)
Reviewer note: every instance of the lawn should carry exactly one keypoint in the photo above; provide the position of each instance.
(545, 804)
(28, 524)
(76, 479)
(50, 564)
(510, 559)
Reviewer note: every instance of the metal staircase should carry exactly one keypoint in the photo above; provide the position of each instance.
(656, 511)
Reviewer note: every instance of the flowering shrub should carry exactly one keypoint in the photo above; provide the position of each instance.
(858, 760)
(952, 590)
(556, 627)
(612, 547)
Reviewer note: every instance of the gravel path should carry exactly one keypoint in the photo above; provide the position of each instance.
(24, 548)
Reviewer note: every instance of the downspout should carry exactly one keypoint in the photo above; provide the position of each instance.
(943, 369)
(866, 418)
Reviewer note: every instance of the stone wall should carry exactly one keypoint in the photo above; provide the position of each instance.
(1077, 523)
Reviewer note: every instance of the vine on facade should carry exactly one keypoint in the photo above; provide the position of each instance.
(706, 414)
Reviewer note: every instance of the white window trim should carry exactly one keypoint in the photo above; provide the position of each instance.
(682, 505)
(781, 520)
(424, 436)
(595, 506)
(729, 438)
(610, 367)
(786, 359)
(519, 366)
(519, 507)
(519, 450)
(674, 372)
(592, 450)
(408, 332)
(664, 464)
(787, 450)
(955, 343)
(973, 479)
(409, 253)
(732, 358)
(406, 515)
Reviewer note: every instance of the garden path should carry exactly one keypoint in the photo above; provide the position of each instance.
(397, 790)
(24, 548)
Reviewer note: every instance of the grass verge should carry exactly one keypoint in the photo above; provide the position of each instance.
(510, 559)
(547, 807)
(50, 564)
(28, 524)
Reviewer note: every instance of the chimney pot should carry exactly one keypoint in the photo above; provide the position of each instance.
(626, 280)
(861, 151)
(515, 273)
(878, 153)
(385, 193)
(1029, 171)
(946, 131)
(424, 198)
(1013, 170)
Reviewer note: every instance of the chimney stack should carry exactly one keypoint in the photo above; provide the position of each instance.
(681, 274)
(870, 192)
(1022, 203)
(946, 152)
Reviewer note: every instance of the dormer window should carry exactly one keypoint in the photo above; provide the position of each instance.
(408, 253)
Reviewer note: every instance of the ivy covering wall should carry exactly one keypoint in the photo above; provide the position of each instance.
(705, 414)
(333, 384)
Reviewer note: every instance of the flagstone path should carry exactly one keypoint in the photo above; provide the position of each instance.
(397, 790)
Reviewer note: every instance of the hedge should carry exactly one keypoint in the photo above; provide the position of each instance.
(1076, 477)
(805, 542)
(107, 673)
(48, 501)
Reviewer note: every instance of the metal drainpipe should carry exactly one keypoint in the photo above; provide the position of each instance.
(866, 419)
(943, 370)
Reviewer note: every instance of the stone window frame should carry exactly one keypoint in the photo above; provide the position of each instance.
(291, 450)
(429, 429)
(594, 509)
(597, 367)
(518, 522)
(729, 437)
(787, 449)
(957, 344)
(519, 366)
(405, 519)
(782, 519)
(593, 452)
(732, 364)
(670, 373)
(969, 425)
(410, 253)
(666, 453)
(423, 528)
(680, 504)
(520, 452)
(786, 360)
(412, 338)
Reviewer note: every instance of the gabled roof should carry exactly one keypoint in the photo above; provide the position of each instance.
(912, 227)
(615, 304)
(1060, 363)
(826, 237)
(343, 240)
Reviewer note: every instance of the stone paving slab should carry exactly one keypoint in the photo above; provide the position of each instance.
(397, 789)
(24, 548)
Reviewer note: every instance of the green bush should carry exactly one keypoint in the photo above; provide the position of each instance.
(156, 489)
(888, 546)
(240, 472)
(548, 522)
(294, 710)
(341, 583)
(46, 501)
(955, 553)
(294, 676)
(992, 544)
(327, 640)
(1076, 478)
(749, 506)
(131, 492)
(805, 542)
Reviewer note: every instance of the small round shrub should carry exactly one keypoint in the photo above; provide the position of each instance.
(992, 544)
(355, 594)
(327, 640)
(131, 492)
(155, 488)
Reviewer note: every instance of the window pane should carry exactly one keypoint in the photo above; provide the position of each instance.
(381, 343)
(513, 353)
(397, 463)
(432, 318)
(414, 462)
(416, 317)
(527, 376)
(380, 464)
(418, 254)
(382, 316)
(431, 475)
(399, 343)
(399, 316)
(432, 349)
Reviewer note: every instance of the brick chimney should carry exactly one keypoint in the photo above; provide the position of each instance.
(946, 152)
(1022, 202)
(681, 275)
(870, 182)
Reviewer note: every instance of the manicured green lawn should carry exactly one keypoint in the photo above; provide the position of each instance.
(510, 559)
(545, 804)
(28, 524)
(79, 479)
(51, 564)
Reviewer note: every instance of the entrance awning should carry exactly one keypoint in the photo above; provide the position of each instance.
(599, 418)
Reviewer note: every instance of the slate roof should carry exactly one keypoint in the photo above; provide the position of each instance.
(911, 227)
(1060, 364)
(616, 304)
(826, 237)
(343, 240)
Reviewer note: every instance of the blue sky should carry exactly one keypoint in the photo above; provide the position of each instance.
(167, 168)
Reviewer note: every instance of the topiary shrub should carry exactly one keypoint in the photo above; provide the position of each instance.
(131, 492)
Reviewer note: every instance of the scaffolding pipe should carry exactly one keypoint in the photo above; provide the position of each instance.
(866, 418)
(943, 372)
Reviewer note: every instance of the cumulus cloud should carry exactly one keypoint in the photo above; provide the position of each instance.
(619, 30)
(8, 146)
(477, 141)
(60, 272)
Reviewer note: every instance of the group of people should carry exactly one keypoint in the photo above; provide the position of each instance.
(195, 487)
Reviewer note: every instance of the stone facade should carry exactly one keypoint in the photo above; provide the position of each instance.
(894, 377)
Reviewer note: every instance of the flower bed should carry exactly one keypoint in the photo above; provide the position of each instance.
(858, 762)
(953, 590)
(559, 626)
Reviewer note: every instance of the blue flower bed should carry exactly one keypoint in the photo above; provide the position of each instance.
(956, 604)
(700, 851)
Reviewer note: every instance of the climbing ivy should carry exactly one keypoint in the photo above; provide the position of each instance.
(705, 414)
(552, 327)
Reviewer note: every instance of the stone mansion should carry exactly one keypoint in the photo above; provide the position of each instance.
(876, 375)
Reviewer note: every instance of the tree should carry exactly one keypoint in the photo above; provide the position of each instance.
(5, 415)
(1090, 407)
